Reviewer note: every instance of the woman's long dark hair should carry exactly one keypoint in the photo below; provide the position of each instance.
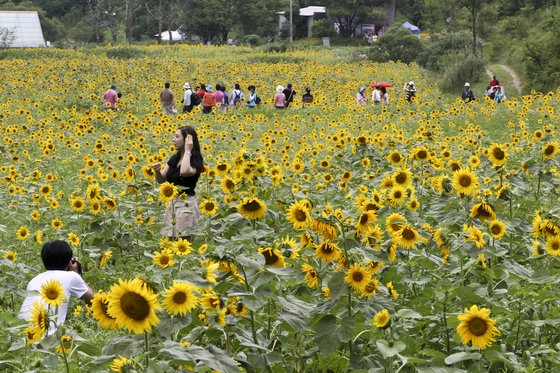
(196, 156)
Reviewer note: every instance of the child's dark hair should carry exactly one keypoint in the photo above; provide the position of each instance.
(56, 255)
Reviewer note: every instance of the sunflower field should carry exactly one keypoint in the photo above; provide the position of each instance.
(419, 236)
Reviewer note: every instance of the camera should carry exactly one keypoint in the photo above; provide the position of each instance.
(74, 261)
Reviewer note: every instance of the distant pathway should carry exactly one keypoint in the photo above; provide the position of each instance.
(515, 81)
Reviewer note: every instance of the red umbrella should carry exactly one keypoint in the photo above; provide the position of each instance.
(382, 84)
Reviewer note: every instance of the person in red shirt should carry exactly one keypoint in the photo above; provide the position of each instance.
(494, 82)
(111, 97)
(209, 100)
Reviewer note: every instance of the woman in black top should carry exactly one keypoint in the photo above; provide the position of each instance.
(182, 170)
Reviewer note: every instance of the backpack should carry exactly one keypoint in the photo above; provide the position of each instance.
(195, 100)
(258, 100)
(236, 97)
(225, 100)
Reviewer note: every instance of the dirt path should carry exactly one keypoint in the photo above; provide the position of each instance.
(515, 81)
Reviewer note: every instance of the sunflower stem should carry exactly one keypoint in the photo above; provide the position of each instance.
(146, 346)
(63, 352)
(447, 339)
(518, 326)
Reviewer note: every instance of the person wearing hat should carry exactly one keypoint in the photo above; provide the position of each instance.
(208, 100)
(410, 91)
(467, 95)
(280, 98)
(361, 96)
(188, 103)
(253, 97)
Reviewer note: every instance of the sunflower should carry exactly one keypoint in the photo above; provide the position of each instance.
(299, 215)
(550, 150)
(324, 228)
(52, 293)
(93, 192)
(105, 258)
(210, 274)
(45, 190)
(327, 251)
(395, 158)
(497, 229)
(11, 256)
(357, 277)
(413, 204)
(77, 204)
(305, 240)
(211, 300)
(363, 225)
(33, 334)
(74, 239)
(273, 257)
(371, 288)
(209, 207)
(238, 308)
(394, 223)
(180, 298)
(391, 289)
(408, 237)
(483, 211)
(22, 233)
(182, 247)
(100, 306)
(95, 207)
(465, 182)
(477, 327)
(497, 154)
(57, 223)
(133, 304)
(474, 235)
(122, 364)
(252, 208)
(66, 342)
(382, 319)
(553, 246)
(421, 153)
(167, 192)
(164, 258)
(39, 316)
(110, 203)
(402, 177)
(396, 195)
(311, 276)
(228, 185)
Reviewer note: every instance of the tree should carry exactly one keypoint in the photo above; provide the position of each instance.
(349, 14)
(474, 7)
(131, 8)
(7, 37)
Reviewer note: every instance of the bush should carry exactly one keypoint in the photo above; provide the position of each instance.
(396, 45)
(125, 53)
(322, 28)
(252, 40)
(459, 70)
(433, 54)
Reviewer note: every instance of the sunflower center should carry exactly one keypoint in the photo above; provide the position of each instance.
(408, 234)
(209, 206)
(401, 178)
(496, 229)
(422, 154)
(499, 154)
(168, 192)
(52, 294)
(465, 181)
(396, 158)
(364, 219)
(327, 249)
(357, 276)
(300, 215)
(478, 326)
(179, 297)
(270, 257)
(555, 246)
(222, 167)
(397, 194)
(549, 150)
(252, 206)
(229, 184)
(135, 306)
(164, 259)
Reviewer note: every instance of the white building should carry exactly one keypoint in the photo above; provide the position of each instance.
(25, 26)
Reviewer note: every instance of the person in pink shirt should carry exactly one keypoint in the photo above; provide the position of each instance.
(219, 95)
(279, 98)
(111, 97)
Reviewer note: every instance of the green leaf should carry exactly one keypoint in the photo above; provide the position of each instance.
(389, 350)
(439, 370)
(330, 332)
(337, 286)
(88, 349)
(406, 313)
(461, 356)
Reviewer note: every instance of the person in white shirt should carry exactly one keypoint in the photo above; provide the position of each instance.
(236, 97)
(62, 266)
(376, 95)
(187, 101)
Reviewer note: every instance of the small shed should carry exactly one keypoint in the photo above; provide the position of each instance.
(175, 36)
(413, 29)
(25, 26)
(312, 13)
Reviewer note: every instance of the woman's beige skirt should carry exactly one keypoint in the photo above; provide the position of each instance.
(181, 215)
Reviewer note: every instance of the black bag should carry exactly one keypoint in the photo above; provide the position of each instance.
(258, 100)
(195, 100)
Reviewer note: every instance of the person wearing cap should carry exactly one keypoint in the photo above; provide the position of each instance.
(187, 98)
(467, 95)
(410, 91)
(208, 100)
(280, 98)
(252, 97)
(361, 96)
(289, 92)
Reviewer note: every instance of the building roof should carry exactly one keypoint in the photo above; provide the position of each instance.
(26, 27)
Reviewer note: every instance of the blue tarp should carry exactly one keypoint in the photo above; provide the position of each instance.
(414, 29)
